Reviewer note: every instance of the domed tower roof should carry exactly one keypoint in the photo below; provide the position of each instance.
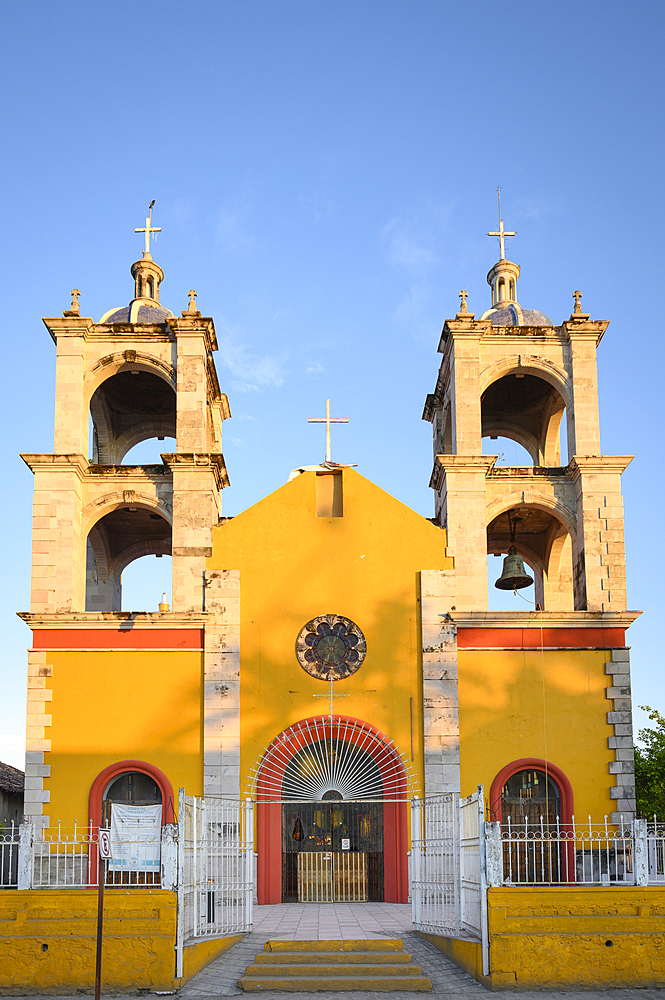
(144, 307)
(502, 279)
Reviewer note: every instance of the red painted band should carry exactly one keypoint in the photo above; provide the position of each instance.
(118, 638)
(519, 638)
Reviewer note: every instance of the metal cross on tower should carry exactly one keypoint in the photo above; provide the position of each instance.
(149, 228)
(328, 420)
(501, 233)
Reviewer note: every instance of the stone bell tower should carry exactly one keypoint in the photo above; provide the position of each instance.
(513, 373)
(140, 372)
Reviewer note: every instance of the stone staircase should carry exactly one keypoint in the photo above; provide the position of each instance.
(308, 966)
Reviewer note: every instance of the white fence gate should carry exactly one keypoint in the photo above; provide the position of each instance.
(448, 884)
(215, 868)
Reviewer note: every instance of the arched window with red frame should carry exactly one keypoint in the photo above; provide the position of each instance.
(533, 801)
(132, 782)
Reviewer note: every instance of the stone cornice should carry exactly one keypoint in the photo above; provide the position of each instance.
(468, 463)
(56, 463)
(67, 326)
(194, 326)
(585, 328)
(116, 619)
(598, 464)
(196, 461)
(548, 619)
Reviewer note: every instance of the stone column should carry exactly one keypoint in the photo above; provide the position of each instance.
(197, 482)
(599, 567)
(72, 408)
(221, 740)
(465, 389)
(58, 548)
(464, 515)
(440, 693)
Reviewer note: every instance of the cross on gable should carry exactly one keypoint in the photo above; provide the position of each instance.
(328, 420)
(577, 295)
(148, 229)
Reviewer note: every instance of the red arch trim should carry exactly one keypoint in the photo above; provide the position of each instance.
(269, 814)
(554, 772)
(103, 780)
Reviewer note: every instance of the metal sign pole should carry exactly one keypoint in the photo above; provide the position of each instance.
(104, 852)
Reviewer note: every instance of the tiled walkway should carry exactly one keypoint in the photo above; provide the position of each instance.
(330, 921)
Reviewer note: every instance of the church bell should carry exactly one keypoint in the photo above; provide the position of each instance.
(514, 575)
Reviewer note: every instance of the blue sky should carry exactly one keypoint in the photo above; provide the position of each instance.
(324, 176)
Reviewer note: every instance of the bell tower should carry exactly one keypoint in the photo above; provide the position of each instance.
(512, 373)
(138, 373)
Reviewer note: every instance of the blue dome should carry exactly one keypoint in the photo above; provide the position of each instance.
(137, 311)
(512, 314)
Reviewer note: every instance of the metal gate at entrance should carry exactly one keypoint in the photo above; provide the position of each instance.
(332, 851)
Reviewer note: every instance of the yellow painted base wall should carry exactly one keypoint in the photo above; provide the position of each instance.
(139, 941)
(556, 937)
(138, 951)
(197, 956)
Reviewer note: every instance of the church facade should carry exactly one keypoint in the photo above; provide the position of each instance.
(328, 652)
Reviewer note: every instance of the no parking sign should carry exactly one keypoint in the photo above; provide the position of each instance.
(105, 844)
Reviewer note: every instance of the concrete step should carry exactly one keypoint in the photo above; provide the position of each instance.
(344, 966)
(349, 944)
(345, 957)
(315, 984)
(327, 968)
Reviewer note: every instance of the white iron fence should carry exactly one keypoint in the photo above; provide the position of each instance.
(67, 858)
(575, 853)
(448, 886)
(9, 844)
(216, 868)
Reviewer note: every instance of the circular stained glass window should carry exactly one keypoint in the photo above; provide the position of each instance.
(330, 647)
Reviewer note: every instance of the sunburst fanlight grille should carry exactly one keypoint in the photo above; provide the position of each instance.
(324, 755)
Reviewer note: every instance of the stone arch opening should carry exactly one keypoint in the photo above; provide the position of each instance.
(130, 406)
(122, 535)
(526, 408)
(545, 541)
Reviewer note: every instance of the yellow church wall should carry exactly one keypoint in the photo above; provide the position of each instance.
(547, 704)
(568, 937)
(49, 940)
(295, 565)
(114, 705)
(589, 938)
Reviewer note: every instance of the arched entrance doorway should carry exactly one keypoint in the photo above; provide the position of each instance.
(331, 815)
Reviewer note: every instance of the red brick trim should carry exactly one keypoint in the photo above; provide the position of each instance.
(558, 638)
(118, 638)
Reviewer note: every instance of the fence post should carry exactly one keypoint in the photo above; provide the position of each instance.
(493, 855)
(416, 861)
(26, 863)
(641, 861)
(249, 864)
(169, 853)
(180, 924)
(484, 928)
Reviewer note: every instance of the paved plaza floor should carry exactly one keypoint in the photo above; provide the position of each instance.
(334, 921)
